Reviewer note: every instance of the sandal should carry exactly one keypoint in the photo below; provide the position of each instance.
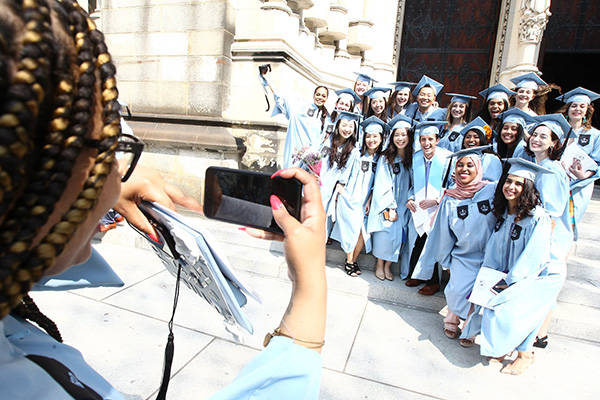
(518, 366)
(541, 342)
(352, 269)
(452, 331)
(467, 342)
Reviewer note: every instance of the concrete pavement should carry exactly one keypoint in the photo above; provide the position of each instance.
(383, 341)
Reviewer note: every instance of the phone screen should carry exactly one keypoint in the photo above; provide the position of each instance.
(243, 197)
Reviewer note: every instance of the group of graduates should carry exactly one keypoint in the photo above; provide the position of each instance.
(431, 189)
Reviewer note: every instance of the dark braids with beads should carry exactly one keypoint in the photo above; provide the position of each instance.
(48, 100)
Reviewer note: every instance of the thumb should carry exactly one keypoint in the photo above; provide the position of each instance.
(283, 218)
(134, 216)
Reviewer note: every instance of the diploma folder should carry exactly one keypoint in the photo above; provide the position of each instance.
(204, 266)
(486, 279)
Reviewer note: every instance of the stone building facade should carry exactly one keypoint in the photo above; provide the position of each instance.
(188, 68)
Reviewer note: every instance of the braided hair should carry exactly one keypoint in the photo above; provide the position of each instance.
(55, 72)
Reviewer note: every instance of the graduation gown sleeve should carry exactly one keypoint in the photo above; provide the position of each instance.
(283, 370)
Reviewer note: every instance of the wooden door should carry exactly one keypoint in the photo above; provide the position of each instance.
(570, 53)
(452, 41)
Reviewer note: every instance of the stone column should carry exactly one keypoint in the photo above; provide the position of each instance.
(381, 56)
(523, 31)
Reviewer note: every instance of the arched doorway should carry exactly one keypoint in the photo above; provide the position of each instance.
(451, 41)
(570, 52)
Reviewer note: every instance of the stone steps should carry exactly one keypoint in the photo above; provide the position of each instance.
(577, 314)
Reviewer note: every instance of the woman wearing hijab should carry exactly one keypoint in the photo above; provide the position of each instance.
(457, 240)
(521, 245)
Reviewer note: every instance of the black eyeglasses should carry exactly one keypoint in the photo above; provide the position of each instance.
(129, 150)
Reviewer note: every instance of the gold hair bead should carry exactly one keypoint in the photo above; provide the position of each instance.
(24, 77)
(9, 121)
(103, 58)
(31, 37)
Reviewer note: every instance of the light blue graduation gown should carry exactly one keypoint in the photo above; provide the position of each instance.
(351, 218)
(390, 191)
(283, 370)
(582, 190)
(330, 176)
(519, 151)
(452, 140)
(304, 128)
(554, 193)
(535, 275)
(434, 114)
(21, 378)
(328, 128)
(458, 241)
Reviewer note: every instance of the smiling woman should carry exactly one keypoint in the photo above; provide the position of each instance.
(521, 246)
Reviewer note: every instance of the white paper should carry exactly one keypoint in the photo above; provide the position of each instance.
(574, 153)
(486, 279)
(422, 218)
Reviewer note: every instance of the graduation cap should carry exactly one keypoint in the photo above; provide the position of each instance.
(348, 116)
(478, 124)
(461, 98)
(473, 151)
(373, 125)
(364, 78)
(579, 95)
(398, 86)
(525, 169)
(427, 81)
(516, 116)
(427, 128)
(498, 91)
(557, 123)
(528, 81)
(400, 121)
(376, 92)
(348, 94)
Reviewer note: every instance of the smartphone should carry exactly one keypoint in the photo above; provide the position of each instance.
(499, 287)
(243, 197)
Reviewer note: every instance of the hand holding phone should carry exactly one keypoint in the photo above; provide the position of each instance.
(243, 197)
